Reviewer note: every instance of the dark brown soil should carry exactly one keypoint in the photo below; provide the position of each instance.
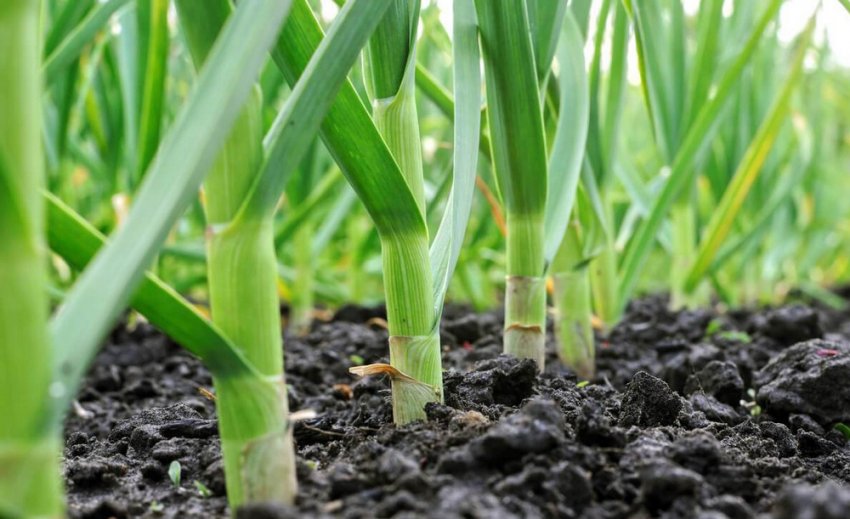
(692, 415)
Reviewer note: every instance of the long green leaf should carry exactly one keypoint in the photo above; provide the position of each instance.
(570, 136)
(710, 18)
(153, 93)
(309, 207)
(64, 19)
(733, 199)
(75, 42)
(697, 140)
(77, 242)
(297, 123)
(350, 135)
(610, 134)
(126, 45)
(444, 101)
(30, 480)
(513, 105)
(545, 17)
(447, 243)
(183, 159)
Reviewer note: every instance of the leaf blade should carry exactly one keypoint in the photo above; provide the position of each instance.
(184, 157)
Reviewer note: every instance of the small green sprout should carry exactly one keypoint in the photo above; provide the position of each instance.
(202, 489)
(156, 507)
(582, 384)
(713, 327)
(357, 360)
(751, 404)
(174, 472)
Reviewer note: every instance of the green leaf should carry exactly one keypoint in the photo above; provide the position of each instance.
(77, 242)
(581, 11)
(64, 18)
(545, 17)
(708, 34)
(185, 156)
(76, 41)
(127, 59)
(513, 105)
(570, 137)
(447, 243)
(203, 490)
(350, 135)
(779, 196)
(153, 92)
(699, 137)
(174, 472)
(660, 46)
(603, 125)
(312, 96)
(726, 212)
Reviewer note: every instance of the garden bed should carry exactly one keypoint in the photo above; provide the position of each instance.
(693, 414)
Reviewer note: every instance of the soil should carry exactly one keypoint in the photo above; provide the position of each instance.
(695, 414)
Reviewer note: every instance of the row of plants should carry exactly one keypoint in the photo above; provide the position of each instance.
(542, 172)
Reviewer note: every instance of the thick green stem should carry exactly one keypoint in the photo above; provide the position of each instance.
(573, 328)
(397, 120)
(573, 309)
(29, 446)
(243, 292)
(256, 439)
(419, 358)
(414, 341)
(242, 271)
(603, 273)
(518, 149)
(525, 289)
(525, 318)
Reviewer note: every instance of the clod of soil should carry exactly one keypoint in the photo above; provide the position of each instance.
(692, 414)
(811, 378)
(649, 402)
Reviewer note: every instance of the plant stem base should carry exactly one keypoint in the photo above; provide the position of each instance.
(525, 318)
(29, 480)
(256, 440)
(573, 328)
(419, 359)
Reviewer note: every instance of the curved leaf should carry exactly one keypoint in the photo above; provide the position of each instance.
(70, 48)
(350, 135)
(77, 242)
(733, 198)
(570, 137)
(447, 243)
